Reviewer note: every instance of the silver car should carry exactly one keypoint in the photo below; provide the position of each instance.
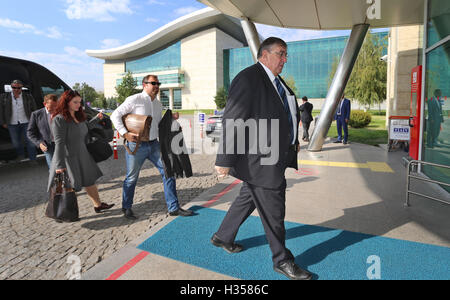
(214, 126)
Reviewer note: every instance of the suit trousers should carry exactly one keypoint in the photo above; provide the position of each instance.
(305, 126)
(271, 206)
(341, 124)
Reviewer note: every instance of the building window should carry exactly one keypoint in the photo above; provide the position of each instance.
(166, 59)
(177, 104)
(436, 137)
(438, 21)
(164, 98)
(436, 134)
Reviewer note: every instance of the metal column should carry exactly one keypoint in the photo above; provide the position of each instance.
(337, 87)
(251, 34)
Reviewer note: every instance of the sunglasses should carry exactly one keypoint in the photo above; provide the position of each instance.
(153, 82)
(16, 88)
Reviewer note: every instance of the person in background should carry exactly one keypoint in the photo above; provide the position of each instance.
(306, 116)
(342, 117)
(15, 112)
(39, 130)
(69, 130)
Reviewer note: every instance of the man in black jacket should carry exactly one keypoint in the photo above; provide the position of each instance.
(306, 117)
(15, 111)
(39, 129)
(259, 96)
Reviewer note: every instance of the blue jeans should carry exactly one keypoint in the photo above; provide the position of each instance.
(17, 133)
(150, 151)
(340, 123)
(49, 154)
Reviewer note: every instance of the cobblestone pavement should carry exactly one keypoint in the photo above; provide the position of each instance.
(33, 246)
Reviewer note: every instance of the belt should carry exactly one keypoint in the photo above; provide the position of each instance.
(293, 147)
(150, 141)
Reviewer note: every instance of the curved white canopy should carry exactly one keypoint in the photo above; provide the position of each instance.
(323, 14)
(173, 31)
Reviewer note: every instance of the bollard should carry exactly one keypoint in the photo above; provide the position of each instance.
(116, 156)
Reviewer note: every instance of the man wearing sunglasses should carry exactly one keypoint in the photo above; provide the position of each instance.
(15, 111)
(145, 103)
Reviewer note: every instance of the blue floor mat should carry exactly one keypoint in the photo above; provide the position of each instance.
(327, 253)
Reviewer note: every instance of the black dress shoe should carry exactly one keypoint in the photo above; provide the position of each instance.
(230, 248)
(181, 212)
(292, 271)
(128, 213)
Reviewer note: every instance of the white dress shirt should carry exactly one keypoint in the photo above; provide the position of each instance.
(292, 101)
(18, 111)
(140, 104)
(49, 119)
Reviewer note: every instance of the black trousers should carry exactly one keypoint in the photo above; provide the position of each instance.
(271, 206)
(305, 126)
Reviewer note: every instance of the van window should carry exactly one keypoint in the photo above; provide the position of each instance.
(58, 90)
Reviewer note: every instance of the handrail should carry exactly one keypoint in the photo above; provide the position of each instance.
(409, 176)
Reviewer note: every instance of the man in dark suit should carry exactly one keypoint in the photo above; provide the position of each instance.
(39, 131)
(342, 117)
(259, 96)
(306, 117)
(15, 111)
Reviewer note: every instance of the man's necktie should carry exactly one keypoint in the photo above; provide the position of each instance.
(339, 108)
(282, 93)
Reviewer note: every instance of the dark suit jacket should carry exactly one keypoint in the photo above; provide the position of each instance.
(38, 128)
(6, 106)
(306, 112)
(252, 96)
(174, 164)
(345, 110)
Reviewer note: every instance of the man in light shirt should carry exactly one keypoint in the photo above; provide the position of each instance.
(145, 103)
(15, 111)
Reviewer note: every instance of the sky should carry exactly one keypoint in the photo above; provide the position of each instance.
(56, 33)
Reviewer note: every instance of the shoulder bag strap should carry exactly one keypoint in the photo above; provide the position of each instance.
(128, 149)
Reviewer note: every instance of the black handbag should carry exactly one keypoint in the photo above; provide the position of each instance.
(63, 203)
(98, 147)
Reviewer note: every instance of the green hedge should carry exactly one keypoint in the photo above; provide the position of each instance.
(359, 119)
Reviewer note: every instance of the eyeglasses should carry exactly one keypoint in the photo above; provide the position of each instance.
(153, 82)
(16, 88)
(281, 54)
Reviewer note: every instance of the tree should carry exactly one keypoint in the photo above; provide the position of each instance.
(87, 92)
(221, 98)
(111, 103)
(290, 81)
(127, 87)
(367, 83)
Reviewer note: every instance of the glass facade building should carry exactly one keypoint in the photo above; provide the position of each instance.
(436, 133)
(309, 63)
(166, 59)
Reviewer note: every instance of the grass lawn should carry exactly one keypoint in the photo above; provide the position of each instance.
(374, 134)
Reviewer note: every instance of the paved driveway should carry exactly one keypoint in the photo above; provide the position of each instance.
(35, 247)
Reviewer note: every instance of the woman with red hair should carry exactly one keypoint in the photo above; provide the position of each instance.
(69, 130)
